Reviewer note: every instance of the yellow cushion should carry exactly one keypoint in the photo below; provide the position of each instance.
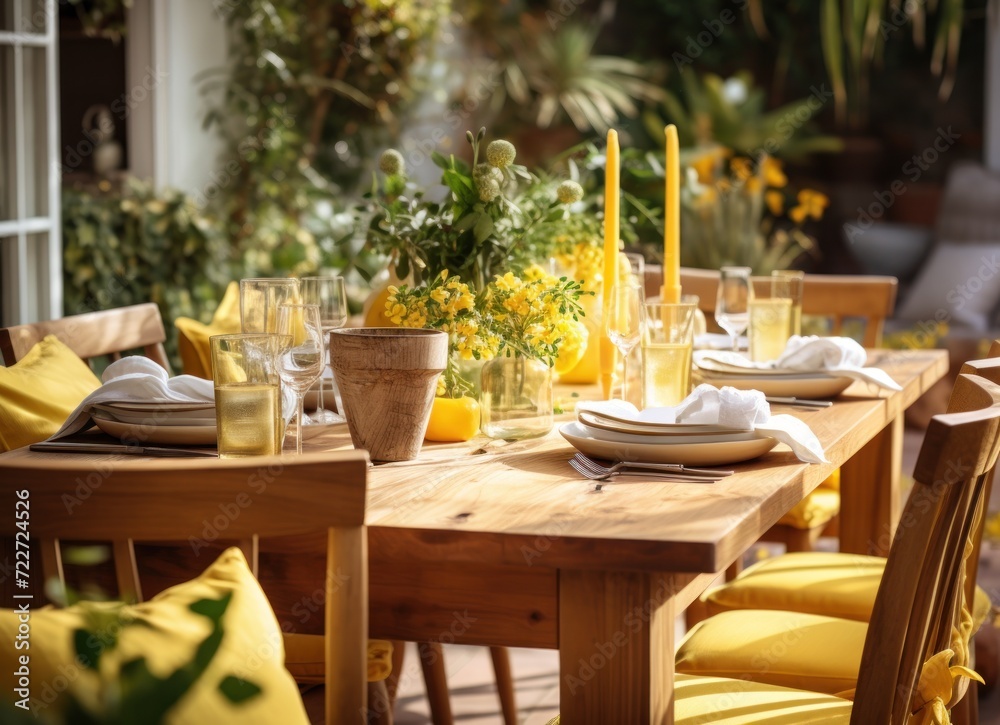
(305, 658)
(167, 633)
(816, 509)
(193, 336)
(39, 392)
(789, 649)
(828, 583)
(700, 700)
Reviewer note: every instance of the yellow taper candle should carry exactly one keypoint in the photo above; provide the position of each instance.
(671, 291)
(609, 357)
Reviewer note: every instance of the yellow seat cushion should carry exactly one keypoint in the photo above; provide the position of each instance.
(305, 658)
(39, 392)
(167, 633)
(788, 649)
(721, 701)
(816, 509)
(827, 583)
(193, 336)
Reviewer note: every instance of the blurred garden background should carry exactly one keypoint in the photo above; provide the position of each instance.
(206, 141)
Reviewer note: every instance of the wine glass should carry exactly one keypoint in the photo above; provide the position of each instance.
(623, 324)
(330, 295)
(300, 359)
(732, 308)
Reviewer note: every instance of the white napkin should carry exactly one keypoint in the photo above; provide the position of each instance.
(137, 379)
(728, 407)
(834, 355)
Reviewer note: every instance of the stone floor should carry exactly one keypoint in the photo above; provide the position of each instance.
(470, 673)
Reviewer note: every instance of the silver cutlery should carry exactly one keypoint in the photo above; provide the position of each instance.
(799, 401)
(674, 470)
(659, 475)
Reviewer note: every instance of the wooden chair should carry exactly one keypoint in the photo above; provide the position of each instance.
(169, 500)
(94, 334)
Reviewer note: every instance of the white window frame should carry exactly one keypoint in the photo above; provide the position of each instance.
(31, 297)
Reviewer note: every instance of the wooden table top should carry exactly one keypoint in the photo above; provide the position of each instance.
(497, 502)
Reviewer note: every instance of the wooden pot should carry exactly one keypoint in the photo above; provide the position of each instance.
(388, 378)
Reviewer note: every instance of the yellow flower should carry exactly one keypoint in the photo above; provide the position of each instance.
(775, 201)
(705, 166)
(811, 204)
(742, 168)
(774, 175)
(753, 184)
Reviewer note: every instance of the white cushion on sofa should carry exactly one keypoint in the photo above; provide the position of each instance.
(958, 284)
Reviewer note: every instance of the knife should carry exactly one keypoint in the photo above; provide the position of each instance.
(799, 401)
(153, 451)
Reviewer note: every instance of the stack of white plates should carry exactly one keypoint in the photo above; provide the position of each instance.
(774, 382)
(188, 424)
(603, 435)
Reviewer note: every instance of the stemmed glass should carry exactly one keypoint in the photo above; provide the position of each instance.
(732, 308)
(300, 360)
(624, 323)
(330, 295)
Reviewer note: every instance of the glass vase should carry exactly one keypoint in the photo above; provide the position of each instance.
(516, 398)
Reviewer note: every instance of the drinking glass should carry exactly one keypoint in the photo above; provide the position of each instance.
(770, 320)
(667, 339)
(732, 308)
(260, 299)
(247, 395)
(788, 283)
(624, 323)
(330, 295)
(636, 264)
(300, 360)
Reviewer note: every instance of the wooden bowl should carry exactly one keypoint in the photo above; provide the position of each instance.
(388, 379)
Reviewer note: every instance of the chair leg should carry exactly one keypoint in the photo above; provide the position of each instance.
(696, 612)
(379, 705)
(392, 681)
(797, 539)
(505, 684)
(436, 682)
(734, 569)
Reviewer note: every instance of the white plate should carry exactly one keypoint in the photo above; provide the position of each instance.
(796, 386)
(206, 409)
(173, 435)
(688, 454)
(614, 422)
(155, 417)
(614, 436)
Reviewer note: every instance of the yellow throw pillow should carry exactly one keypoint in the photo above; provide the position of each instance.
(38, 393)
(193, 342)
(167, 632)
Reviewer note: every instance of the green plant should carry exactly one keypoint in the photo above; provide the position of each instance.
(476, 232)
(104, 18)
(731, 112)
(142, 246)
(548, 74)
(309, 89)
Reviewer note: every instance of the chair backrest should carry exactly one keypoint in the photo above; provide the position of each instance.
(925, 575)
(838, 298)
(94, 334)
(169, 501)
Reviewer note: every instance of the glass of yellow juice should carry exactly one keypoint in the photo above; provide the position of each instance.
(248, 413)
(788, 283)
(770, 320)
(667, 340)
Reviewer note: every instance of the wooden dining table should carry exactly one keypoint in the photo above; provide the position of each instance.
(503, 543)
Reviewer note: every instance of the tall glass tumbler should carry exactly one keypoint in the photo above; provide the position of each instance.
(247, 395)
(260, 299)
(667, 340)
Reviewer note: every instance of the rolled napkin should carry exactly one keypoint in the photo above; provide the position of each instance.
(840, 356)
(727, 407)
(137, 379)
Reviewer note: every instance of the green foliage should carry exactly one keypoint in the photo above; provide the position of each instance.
(142, 246)
(104, 18)
(310, 89)
(732, 112)
(476, 232)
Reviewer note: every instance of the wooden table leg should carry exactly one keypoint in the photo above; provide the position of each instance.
(870, 499)
(616, 648)
(436, 682)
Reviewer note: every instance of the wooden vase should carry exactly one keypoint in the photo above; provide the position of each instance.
(388, 378)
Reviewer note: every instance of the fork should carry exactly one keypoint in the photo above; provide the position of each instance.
(674, 468)
(661, 475)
